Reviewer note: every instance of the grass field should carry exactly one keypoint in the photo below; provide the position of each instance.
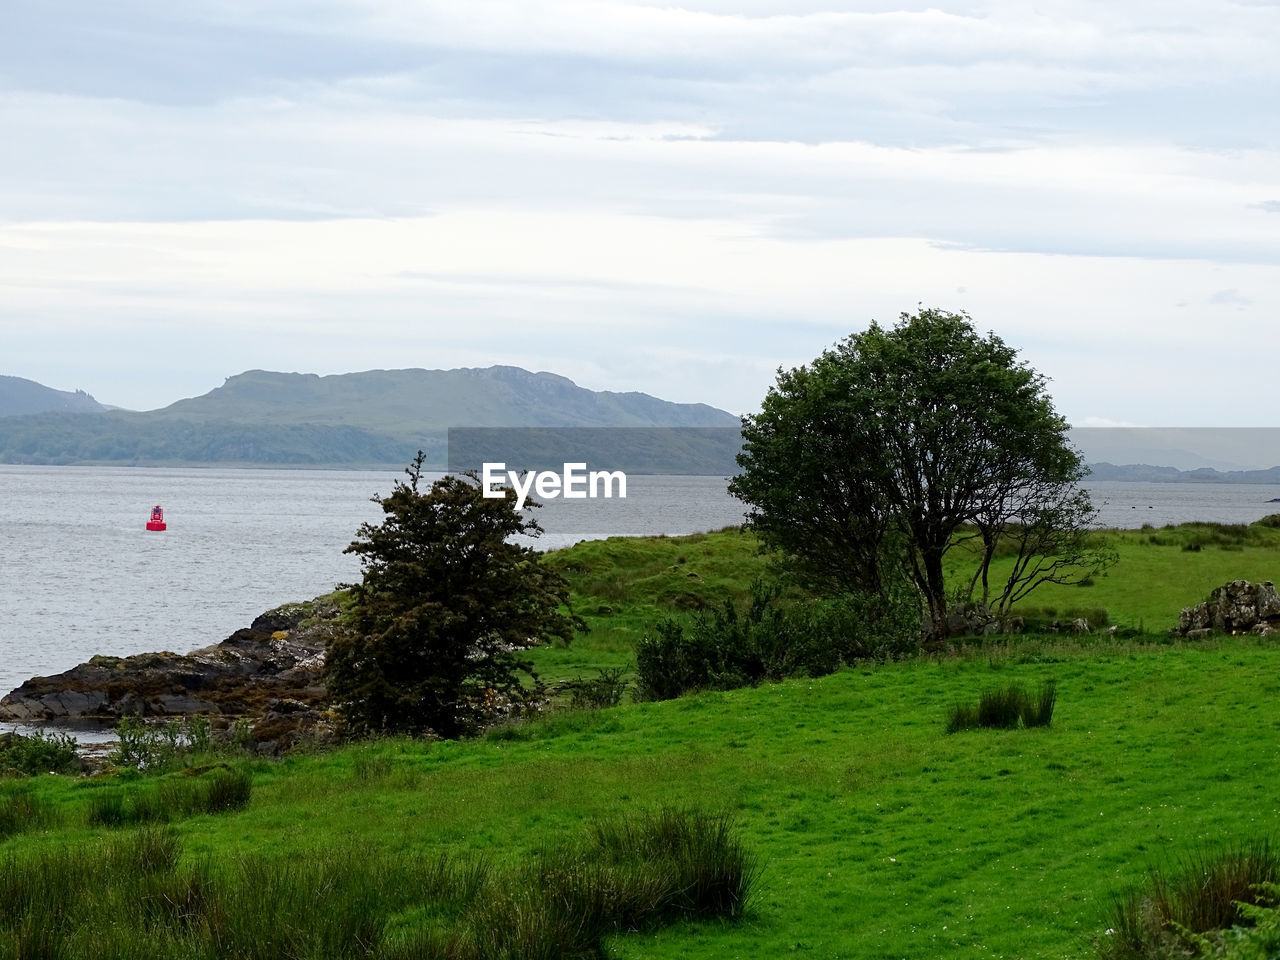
(879, 834)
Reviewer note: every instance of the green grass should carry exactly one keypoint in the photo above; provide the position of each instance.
(132, 896)
(877, 835)
(1156, 576)
(624, 585)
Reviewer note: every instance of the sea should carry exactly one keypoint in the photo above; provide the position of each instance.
(80, 575)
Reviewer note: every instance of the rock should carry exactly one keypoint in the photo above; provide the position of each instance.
(967, 619)
(1262, 629)
(1080, 625)
(1235, 607)
(287, 723)
(1198, 634)
(241, 676)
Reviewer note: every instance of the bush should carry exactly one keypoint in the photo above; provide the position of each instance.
(728, 648)
(1260, 940)
(1005, 708)
(603, 690)
(154, 747)
(1169, 914)
(38, 753)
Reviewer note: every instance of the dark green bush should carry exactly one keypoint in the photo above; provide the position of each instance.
(768, 641)
(603, 690)
(38, 753)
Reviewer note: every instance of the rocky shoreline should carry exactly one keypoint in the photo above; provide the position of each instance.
(268, 675)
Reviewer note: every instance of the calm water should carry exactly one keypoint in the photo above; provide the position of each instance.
(80, 575)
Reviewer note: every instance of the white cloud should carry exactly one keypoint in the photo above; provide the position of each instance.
(668, 198)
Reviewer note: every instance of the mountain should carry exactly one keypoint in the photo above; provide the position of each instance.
(376, 418)
(19, 397)
(1146, 473)
(412, 401)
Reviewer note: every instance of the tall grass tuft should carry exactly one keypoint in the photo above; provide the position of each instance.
(1005, 708)
(1002, 708)
(221, 792)
(1039, 709)
(712, 873)
(133, 895)
(21, 811)
(227, 790)
(1196, 895)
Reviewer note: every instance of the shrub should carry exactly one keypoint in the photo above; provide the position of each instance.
(1258, 941)
(729, 648)
(38, 753)
(603, 690)
(1005, 708)
(154, 747)
(1166, 916)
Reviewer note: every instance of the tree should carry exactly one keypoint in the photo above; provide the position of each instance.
(871, 463)
(446, 604)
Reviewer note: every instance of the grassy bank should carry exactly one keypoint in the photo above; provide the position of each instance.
(878, 834)
(623, 585)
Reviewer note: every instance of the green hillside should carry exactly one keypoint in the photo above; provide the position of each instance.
(19, 397)
(878, 834)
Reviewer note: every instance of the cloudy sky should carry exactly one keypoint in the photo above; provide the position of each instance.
(674, 197)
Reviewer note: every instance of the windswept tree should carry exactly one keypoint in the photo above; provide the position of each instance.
(446, 606)
(874, 461)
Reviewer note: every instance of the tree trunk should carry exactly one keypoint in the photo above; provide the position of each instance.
(936, 593)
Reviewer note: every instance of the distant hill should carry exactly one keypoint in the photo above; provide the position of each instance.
(374, 418)
(19, 398)
(1143, 472)
(412, 401)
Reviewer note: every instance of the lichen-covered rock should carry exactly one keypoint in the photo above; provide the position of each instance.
(240, 676)
(1236, 607)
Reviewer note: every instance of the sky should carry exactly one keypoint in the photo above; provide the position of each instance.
(677, 198)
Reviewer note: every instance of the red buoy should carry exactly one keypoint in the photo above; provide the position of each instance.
(157, 519)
